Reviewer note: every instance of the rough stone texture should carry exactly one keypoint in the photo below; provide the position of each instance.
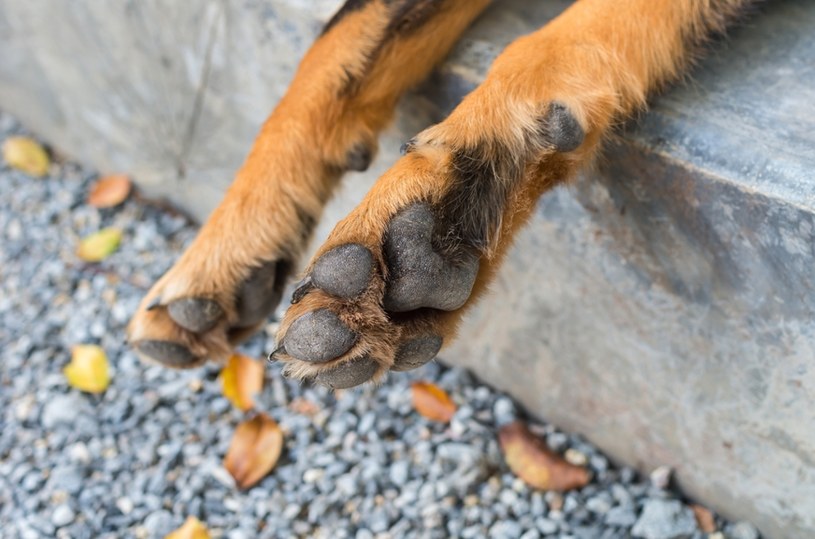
(674, 325)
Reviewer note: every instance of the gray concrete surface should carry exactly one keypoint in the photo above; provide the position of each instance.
(662, 306)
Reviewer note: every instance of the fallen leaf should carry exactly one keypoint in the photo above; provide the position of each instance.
(704, 518)
(26, 154)
(530, 459)
(432, 402)
(88, 369)
(109, 191)
(191, 529)
(254, 451)
(242, 379)
(99, 245)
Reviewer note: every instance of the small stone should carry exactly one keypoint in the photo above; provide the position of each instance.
(504, 411)
(125, 505)
(742, 530)
(546, 526)
(399, 473)
(62, 410)
(661, 477)
(599, 505)
(664, 519)
(622, 516)
(158, 523)
(62, 516)
(573, 456)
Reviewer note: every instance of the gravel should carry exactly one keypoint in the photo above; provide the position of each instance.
(138, 459)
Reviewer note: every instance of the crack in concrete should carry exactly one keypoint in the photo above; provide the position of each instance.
(200, 92)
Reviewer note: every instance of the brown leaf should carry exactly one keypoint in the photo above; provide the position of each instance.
(99, 245)
(88, 369)
(254, 451)
(26, 154)
(191, 529)
(704, 518)
(530, 459)
(109, 191)
(242, 379)
(432, 402)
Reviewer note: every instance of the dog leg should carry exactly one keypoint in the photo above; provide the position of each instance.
(231, 277)
(391, 283)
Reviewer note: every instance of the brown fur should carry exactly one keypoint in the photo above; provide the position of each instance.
(600, 58)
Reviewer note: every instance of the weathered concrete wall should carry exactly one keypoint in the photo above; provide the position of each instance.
(663, 305)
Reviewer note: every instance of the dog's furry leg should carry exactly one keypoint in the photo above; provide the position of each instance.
(392, 281)
(344, 92)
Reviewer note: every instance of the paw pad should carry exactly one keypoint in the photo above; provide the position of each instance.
(318, 336)
(561, 130)
(344, 271)
(170, 353)
(348, 375)
(416, 352)
(419, 276)
(195, 314)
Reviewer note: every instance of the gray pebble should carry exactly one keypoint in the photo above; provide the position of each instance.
(742, 530)
(664, 519)
(62, 410)
(62, 516)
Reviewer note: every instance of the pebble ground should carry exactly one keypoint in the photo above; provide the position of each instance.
(138, 459)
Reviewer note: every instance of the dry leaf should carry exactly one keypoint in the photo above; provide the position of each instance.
(26, 154)
(704, 518)
(242, 379)
(530, 459)
(254, 451)
(192, 529)
(88, 369)
(99, 245)
(432, 402)
(109, 191)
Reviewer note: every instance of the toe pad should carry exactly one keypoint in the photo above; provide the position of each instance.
(318, 336)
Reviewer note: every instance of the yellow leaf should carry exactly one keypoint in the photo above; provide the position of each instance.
(26, 154)
(432, 402)
(254, 451)
(109, 191)
(192, 529)
(99, 245)
(537, 465)
(242, 379)
(88, 369)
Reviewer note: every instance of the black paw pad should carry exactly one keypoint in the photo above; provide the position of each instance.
(419, 276)
(359, 158)
(260, 293)
(195, 314)
(169, 353)
(318, 336)
(560, 129)
(416, 352)
(344, 271)
(349, 374)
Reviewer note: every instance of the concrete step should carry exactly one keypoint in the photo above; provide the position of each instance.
(662, 305)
